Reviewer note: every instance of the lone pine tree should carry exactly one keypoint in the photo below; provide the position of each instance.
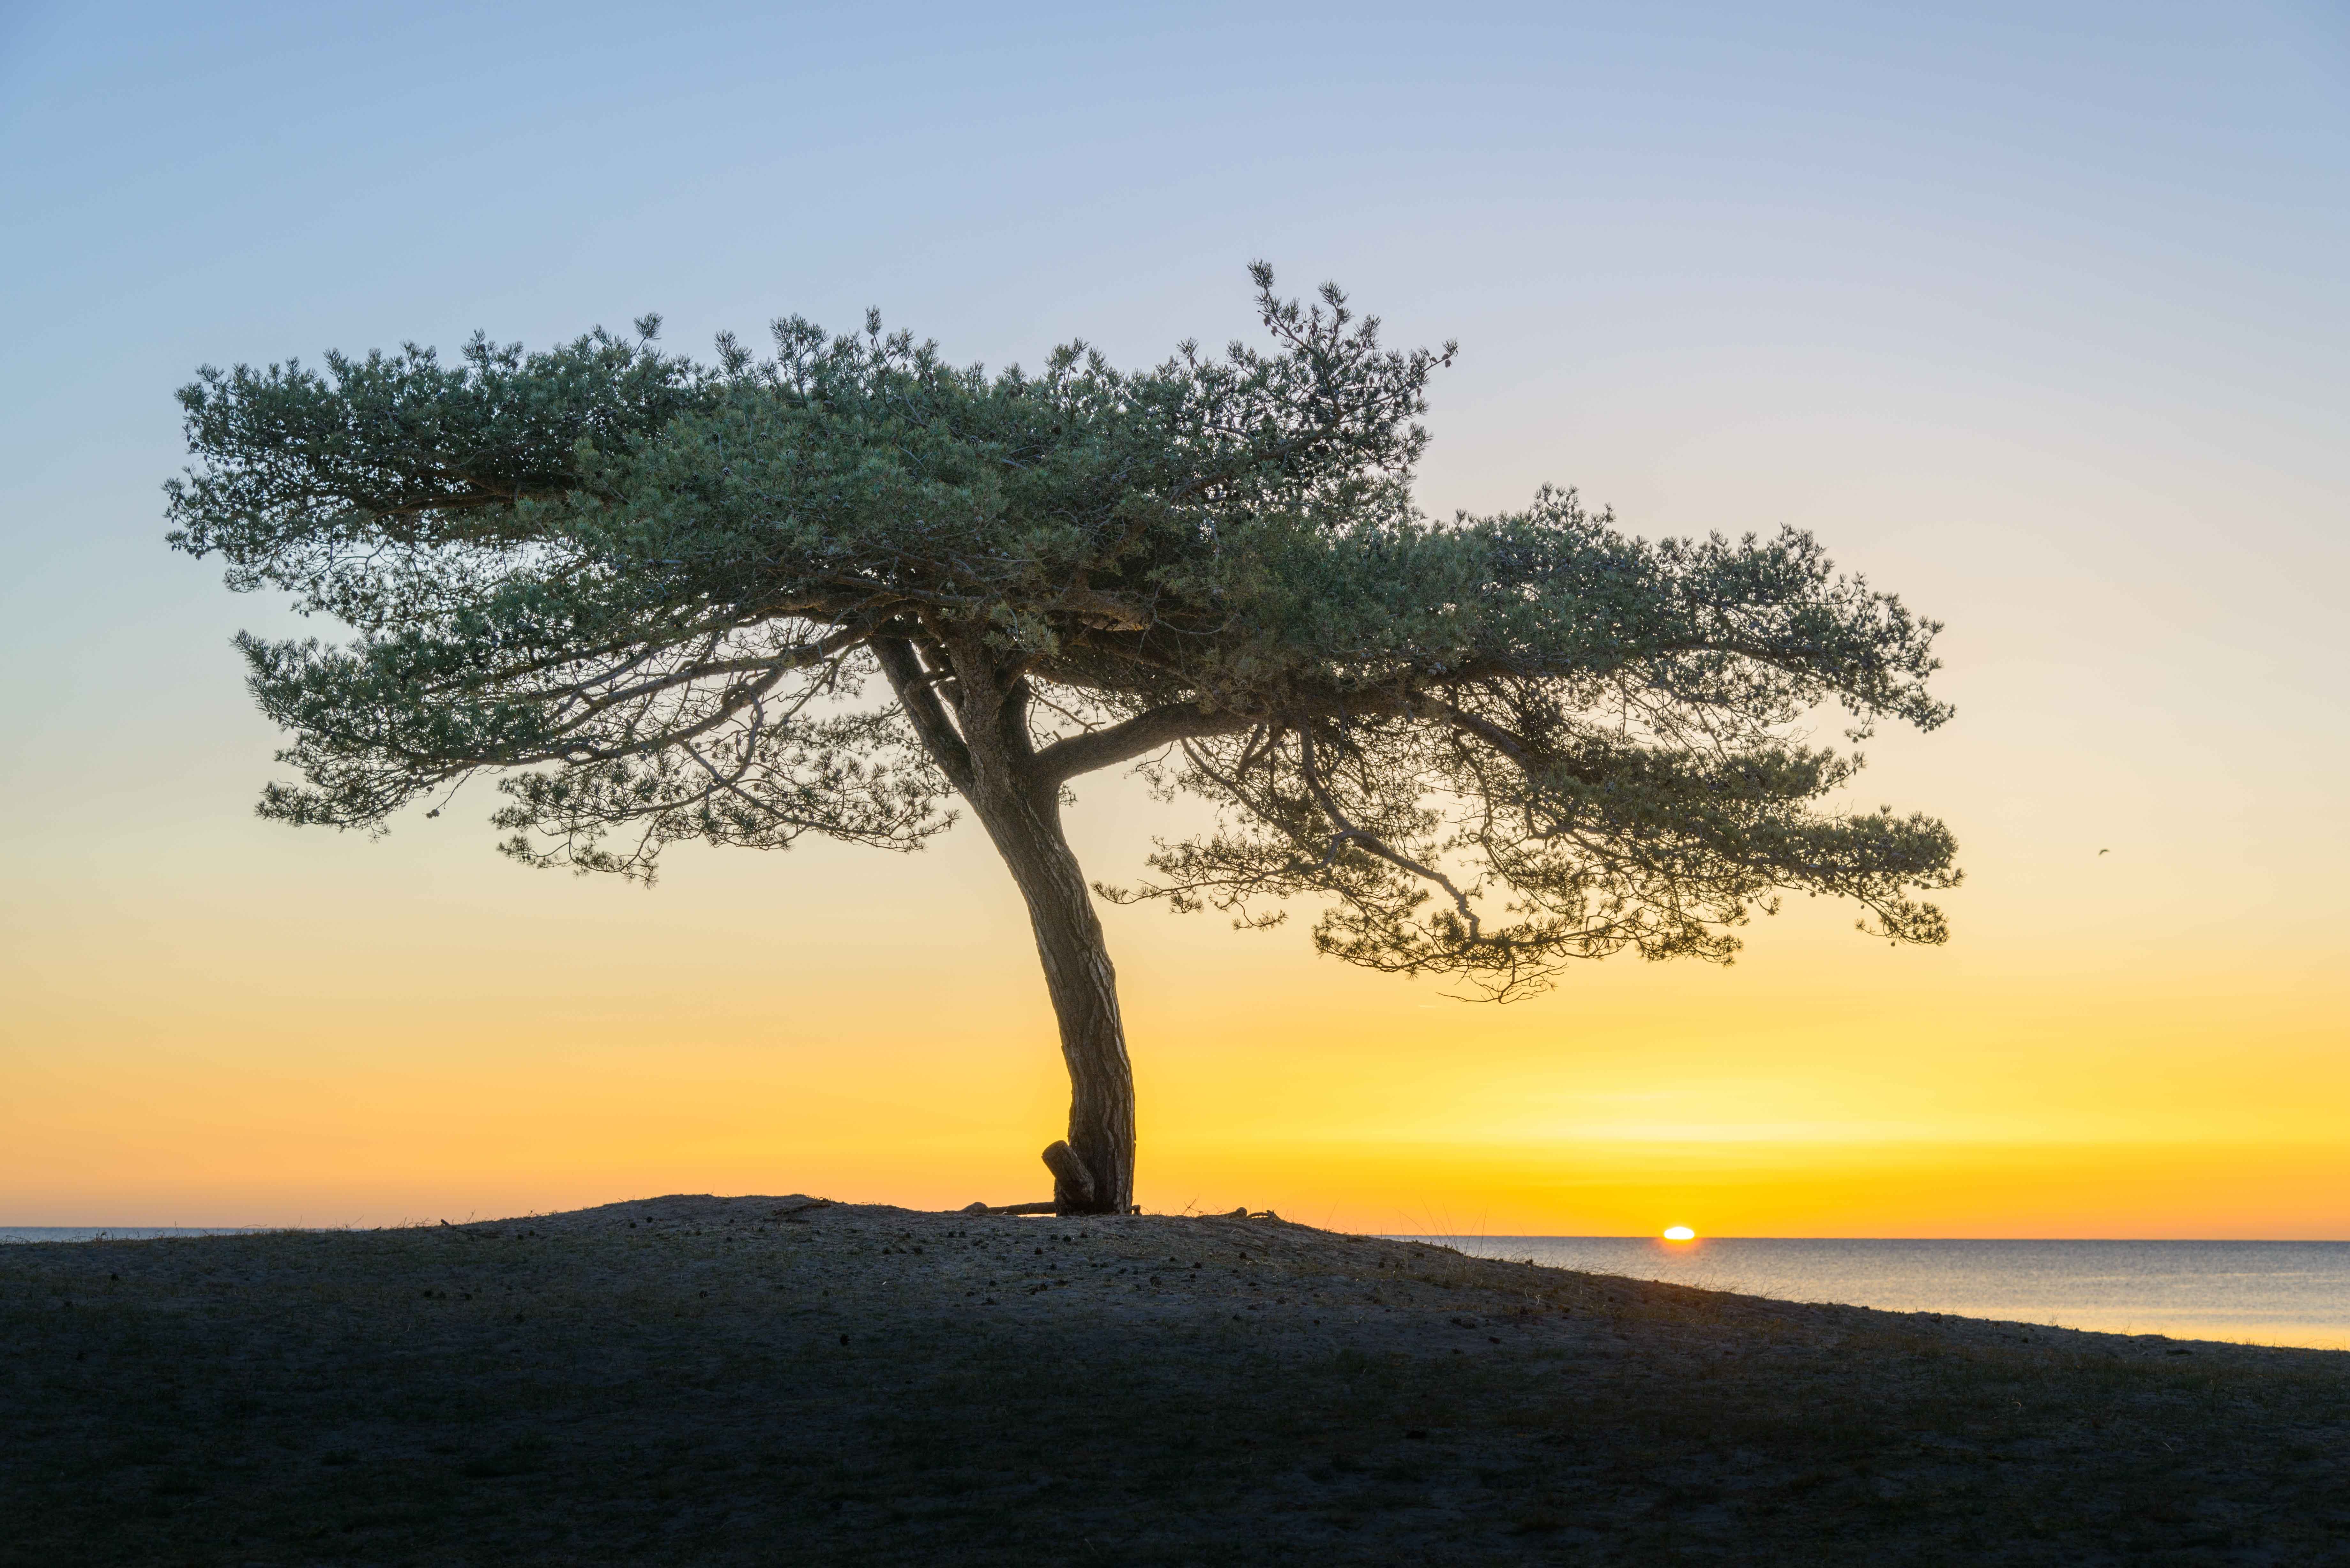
(828, 591)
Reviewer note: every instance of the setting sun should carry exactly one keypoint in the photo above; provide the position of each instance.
(1679, 1233)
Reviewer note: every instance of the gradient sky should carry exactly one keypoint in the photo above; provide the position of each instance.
(2035, 314)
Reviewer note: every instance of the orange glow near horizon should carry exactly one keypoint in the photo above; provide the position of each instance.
(365, 1034)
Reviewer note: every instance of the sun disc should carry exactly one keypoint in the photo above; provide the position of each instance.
(1679, 1233)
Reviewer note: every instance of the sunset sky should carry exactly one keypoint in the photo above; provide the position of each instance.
(2035, 314)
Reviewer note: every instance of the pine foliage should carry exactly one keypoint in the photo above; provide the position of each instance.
(744, 600)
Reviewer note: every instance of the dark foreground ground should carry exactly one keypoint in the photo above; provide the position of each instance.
(695, 1380)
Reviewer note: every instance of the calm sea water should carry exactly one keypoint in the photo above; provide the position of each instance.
(2261, 1293)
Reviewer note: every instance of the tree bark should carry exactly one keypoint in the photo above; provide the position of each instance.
(1084, 988)
(987, 754)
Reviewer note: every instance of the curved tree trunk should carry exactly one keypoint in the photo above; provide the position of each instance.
(1084, 988)
(985, 752)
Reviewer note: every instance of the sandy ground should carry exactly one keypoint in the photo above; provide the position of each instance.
(786, 1380)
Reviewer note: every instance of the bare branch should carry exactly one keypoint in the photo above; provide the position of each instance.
(1348, 831)
(1144, 733)
(917, 696)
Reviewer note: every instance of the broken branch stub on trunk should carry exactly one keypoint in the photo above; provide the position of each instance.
(841, 589)
(1072, 1184)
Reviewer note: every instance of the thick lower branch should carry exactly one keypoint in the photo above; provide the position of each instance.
(908, 678)
(1138, 736)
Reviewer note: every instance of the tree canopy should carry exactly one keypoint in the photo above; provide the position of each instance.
(831, 589)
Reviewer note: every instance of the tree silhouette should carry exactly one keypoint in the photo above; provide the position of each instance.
(830, 590)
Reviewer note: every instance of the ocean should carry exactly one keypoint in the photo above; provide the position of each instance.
(2256, 1292)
